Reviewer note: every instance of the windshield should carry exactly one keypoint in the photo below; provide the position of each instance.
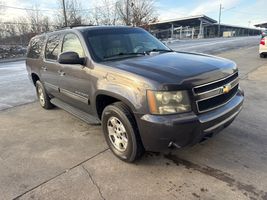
(121, 43)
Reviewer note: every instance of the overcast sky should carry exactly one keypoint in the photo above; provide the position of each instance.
(236, 12)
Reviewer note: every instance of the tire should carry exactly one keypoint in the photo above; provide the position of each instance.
(43, 97)
(262, 55)
(119, 114)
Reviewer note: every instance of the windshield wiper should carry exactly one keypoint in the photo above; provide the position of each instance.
(122, 54)
(158, 50)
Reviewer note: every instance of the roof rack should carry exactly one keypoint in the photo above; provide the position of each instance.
(73, 26)
(80, 25)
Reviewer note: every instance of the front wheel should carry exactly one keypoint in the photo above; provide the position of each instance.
(262, 55)
(43, 97)
(121, 132)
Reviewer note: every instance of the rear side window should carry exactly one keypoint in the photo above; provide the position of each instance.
(35, 47)
(52, 49)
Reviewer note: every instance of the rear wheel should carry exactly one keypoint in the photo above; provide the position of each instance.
(43, 97)
(121, 132)
(262, 55)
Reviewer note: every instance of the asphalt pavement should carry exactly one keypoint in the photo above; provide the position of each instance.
(53, 155)
(215, 45)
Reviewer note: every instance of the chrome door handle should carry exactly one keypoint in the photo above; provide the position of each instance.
(61, 73)
(44, 68)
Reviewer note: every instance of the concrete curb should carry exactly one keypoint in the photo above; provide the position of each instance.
(12, 60)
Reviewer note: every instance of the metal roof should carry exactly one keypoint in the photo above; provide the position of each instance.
(186, 18)
(235, 26)
(262, 25)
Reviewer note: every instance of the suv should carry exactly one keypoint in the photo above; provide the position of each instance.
(145, 95)
(263, 33)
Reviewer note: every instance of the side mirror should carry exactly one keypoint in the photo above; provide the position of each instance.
(70, 57)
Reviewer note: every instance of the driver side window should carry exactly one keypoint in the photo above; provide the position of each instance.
(72, 43)
(141, 42)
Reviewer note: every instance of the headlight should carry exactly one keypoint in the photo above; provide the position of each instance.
(164, 102)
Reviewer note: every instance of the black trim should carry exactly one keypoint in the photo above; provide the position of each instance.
(74, 96)
(54, 87)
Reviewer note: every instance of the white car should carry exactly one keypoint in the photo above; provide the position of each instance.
(263, 47)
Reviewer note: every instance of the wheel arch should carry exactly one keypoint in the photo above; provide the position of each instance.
(107, 98)
(34, 78)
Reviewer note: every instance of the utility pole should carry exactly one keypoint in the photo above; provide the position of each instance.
(219, 25)
(64, 13)
(127, 12)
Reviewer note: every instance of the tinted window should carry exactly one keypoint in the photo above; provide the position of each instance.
(107, 43)
(72, 43)
(35, 48)
(52, 47)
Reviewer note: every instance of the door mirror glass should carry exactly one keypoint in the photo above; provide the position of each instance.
(70, 57)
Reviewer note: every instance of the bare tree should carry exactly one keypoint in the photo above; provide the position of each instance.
(105, 14)
(23, 30)
(46, 25)
(22, 26)
(136, 12)
(73, 13)
(34, 20)
(11, 30)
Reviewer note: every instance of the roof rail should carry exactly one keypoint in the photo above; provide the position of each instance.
(63, 28)
(80, 25)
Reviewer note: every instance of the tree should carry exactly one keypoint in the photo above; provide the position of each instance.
(46, 25)
(22, 26)
(136, 12)
(73, 13)
(105, 14)
(34, 20)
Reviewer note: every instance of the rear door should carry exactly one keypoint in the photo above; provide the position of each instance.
(50, 70)
(75, 82)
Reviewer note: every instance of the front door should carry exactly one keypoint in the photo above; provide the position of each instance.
(75, 79)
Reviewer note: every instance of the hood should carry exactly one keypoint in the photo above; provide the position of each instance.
(178, 68)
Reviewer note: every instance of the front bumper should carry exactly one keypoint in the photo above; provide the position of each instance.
(158, 132)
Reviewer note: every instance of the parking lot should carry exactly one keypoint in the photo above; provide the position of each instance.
(52, 155)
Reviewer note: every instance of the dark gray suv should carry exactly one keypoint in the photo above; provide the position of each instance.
(145, 95)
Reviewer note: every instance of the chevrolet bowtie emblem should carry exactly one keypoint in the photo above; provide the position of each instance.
(226, 88)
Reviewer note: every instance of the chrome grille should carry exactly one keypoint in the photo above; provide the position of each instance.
(215, 94)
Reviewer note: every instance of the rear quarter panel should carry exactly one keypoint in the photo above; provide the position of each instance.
(33, 66)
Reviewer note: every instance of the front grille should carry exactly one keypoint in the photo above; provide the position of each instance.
(215, 94)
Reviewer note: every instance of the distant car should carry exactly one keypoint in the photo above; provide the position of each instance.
(263, 47)
(263, 34)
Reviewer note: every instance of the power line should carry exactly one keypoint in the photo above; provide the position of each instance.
(54, 9)
(24, 23)
(246, 13)
(29, 9)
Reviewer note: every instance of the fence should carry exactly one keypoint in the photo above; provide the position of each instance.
(177, 33)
